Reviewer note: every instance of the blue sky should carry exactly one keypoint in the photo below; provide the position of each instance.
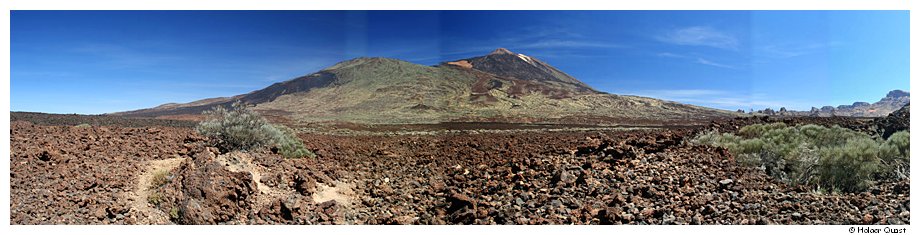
(106, 61)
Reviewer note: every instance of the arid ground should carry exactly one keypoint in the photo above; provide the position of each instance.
(143, 171)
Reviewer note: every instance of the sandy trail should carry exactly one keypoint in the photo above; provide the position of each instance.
(146, 213)
(341, 192)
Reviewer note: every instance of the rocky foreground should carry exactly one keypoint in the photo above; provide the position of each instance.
(108, 175)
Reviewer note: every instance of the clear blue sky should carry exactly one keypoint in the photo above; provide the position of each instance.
(105, 61)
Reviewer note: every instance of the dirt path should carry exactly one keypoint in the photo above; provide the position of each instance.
(341, 192)
(140, 207)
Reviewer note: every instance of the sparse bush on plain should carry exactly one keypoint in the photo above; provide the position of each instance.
(237, 128)
(83, 125)
(289, 144)
(242, 129)
(830, 158)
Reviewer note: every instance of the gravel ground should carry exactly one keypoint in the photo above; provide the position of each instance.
(102, 175)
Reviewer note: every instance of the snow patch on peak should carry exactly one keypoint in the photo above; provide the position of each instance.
(525, 58)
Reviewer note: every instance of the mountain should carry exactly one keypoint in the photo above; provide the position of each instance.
(502, 86)
(890, 103)
(895, 100)
(505, 63)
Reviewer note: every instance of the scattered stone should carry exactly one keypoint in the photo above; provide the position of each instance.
(629, 177)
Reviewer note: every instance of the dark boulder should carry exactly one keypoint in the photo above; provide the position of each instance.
(896, 121)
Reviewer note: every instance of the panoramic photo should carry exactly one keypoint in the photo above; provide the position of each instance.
(460, 117)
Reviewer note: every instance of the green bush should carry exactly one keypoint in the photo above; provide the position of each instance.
(240, 128)
(759, 129)
(750, 146)
(895, 156)
(155, 198)
(713, 138)
(235, 129)
(288, 144)
(174, 214)
(159, 179)
(749, 159)
(832, 158)
(849, 167)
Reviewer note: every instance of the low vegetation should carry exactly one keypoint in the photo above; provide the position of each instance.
(158, 179)
(828, 158)
(895, 154)
(174, 214)
(155, 198)
(287, 143)
(241, 129)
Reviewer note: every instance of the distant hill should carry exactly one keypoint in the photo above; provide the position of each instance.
(502, 86)
(890, 103)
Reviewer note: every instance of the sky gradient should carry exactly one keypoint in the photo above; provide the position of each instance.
(92, 62)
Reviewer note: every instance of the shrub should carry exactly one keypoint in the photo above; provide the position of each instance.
(848, 167)
(174, 213)
(713, 138)
(749, 159)
(749, 146)
(240, 128)
(834, 158)
(159, 179)
(759, 129)
(895, 156)
(828, 136)
(800, 166)
(235, 129)
(83, 125)
(155, 198)
(287, 143)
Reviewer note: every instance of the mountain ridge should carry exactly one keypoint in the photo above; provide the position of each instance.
(502, 86)
(894, 100)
